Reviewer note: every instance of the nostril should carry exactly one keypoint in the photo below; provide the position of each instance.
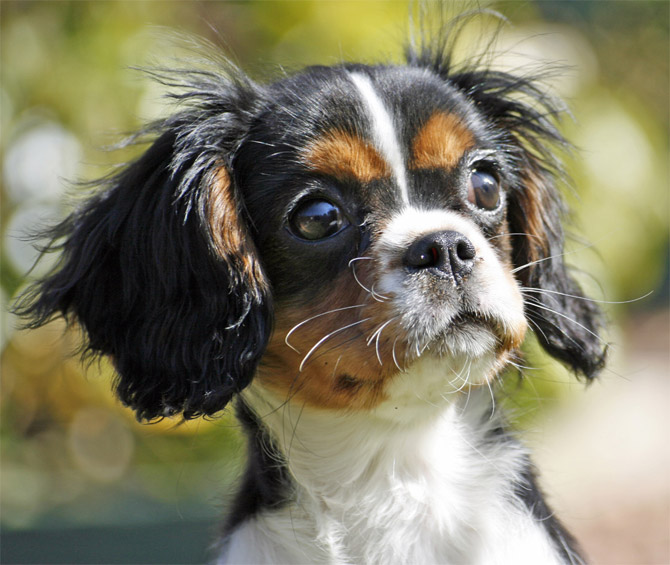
(447, 253)
(465, 251)
(434, 255)
(423, 254)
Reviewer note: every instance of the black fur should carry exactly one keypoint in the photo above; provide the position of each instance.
(267, 482)
(139, 272)
(531, 496)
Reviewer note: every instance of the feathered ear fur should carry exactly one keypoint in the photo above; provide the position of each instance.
(523, 118)
(158, 268)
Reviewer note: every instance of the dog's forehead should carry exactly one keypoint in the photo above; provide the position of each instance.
(370, 123)
(343, 98)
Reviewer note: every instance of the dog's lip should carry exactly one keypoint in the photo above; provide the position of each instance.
(466, 319)
(471, 318)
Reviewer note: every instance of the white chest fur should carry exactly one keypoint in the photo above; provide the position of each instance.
(369, 489)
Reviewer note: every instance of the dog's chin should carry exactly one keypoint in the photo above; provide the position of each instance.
(470, 351)
(464, 356)
(467, 335)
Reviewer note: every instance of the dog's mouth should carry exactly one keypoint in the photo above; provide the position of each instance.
(473, 334)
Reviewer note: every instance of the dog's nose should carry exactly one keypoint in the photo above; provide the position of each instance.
(448, 253)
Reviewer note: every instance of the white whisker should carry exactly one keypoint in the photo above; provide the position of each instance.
(547, 291)
(514, 233)
(541, 307)
(370, 291)
(327, 337)
(395, 361)
(564, 254)
(294, 328)
(493, 400)
(379, 333)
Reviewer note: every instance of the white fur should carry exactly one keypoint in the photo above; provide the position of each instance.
(383, 131)
(413, 481)
(490, 290)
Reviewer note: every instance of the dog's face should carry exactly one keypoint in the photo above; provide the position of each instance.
(379, 200)
(323, 234)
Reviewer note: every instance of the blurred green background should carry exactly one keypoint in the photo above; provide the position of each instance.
(81, 481)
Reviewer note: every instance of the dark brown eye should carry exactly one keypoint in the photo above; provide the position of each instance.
(484, 188)
(316, 219)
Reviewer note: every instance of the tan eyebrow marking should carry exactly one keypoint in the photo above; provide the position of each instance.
(441, 142)
(341, 154)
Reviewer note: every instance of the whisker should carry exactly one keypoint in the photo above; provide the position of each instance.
(395, 361)
(547, 291)
(564, 254)
(378, 330)
(294, 328)
(536, 326)
(337, 364)
(493, 400)
(379, 334)
(521, 367)
(458, 375)
(361, 258)
(516, 233)
(378, 297)
(466, 382)
(542, 307)
(375, 295)
(327, 337)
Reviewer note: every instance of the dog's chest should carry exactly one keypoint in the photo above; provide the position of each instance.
(444, 494)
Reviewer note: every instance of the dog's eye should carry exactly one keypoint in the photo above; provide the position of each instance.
(316, 219)
(484, 187)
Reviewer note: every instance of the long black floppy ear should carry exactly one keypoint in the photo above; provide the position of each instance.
(567, 323)
(158, 267)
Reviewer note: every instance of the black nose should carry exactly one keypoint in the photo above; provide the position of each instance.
(447, 253)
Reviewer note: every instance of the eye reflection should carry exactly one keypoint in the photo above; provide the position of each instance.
(316, 219)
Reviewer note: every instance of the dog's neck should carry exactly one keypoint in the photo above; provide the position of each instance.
(325, 449)
(420, 478)
(424, 417)
(428, 476)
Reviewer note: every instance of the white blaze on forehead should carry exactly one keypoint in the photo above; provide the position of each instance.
(383, 131)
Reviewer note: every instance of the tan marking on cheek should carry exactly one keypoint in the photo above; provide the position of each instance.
(514, 334)
(441, 142)
(512, 338)
(340, 154)
(344, 372)
(228, 233)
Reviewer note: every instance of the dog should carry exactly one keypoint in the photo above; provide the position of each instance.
(352, 255)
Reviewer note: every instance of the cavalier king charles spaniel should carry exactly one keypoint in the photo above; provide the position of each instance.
(352, 256)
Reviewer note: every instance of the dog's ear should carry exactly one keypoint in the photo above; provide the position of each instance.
(567, 323)
(158, 267)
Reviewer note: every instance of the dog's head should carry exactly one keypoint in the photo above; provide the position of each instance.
(324, 233)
